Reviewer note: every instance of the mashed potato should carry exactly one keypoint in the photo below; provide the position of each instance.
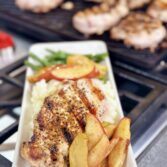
(43, 89)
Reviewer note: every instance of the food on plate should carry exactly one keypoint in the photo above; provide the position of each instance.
(61, 66)
(100, 18)
(100, 151)
(78, 152)
(61, 117)
(93, 130)
(134, 4)
(74, 120)
(140, 31)
(104, 163)
(96, 94)
(38, 6)
(58, 57)
(63, 72)
(44, 73)
(158, 9)
(118, 155)
(56, 123)
(80, 60)
(75, 72)
(109, 129)
(123, 129)
(106, 101)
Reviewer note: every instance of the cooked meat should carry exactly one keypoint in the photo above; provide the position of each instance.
(140, 31)
(134, 4)
(158, 9)
(100, 18)
(61, 118)
(68, 5)
(93, 95)
(104, 1)
(38, 6)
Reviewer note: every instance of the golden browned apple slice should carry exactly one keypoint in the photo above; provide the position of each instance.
(78, 152)
(74, 72)
(99, 152)
(109, 129)
(104, 163)
(118, 155)
(93, 130)
(83, 60)
(123, 129)
(63, 71)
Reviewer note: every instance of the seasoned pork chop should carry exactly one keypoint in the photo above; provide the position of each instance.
(54, 129)
(100, 18)
(104, 1)
(134, 4)
(140, 31)
(38, 6)
(158, 9)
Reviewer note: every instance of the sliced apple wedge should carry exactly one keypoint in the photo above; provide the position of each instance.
(123, 129)
(93, 130)
(118, 155)
(101, 150)
(109, 128)
(44, 73)
(78, 152)
(80, 60)
(97, 153)
(74, 72)
(63, 71)
(104, 163)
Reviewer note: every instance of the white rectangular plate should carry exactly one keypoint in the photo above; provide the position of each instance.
(86, 47)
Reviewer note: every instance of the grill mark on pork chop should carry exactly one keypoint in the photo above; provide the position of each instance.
(53, 151)
(77, 107)
(33, 138)
(96, 91)
(67, 135)
(71, 108)
(84, 99)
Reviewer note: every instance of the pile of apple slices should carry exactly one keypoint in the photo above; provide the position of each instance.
(102, 144)
(76, 67)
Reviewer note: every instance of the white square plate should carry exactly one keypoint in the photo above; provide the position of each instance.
(86, 47)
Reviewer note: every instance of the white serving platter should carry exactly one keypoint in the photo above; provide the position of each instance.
(25, 128)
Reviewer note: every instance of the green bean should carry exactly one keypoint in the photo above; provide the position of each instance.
(53, 57)
(32, 66)
(97, 57)
(59, 55)
(104, 79)
(57, 62)
(39, 60)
